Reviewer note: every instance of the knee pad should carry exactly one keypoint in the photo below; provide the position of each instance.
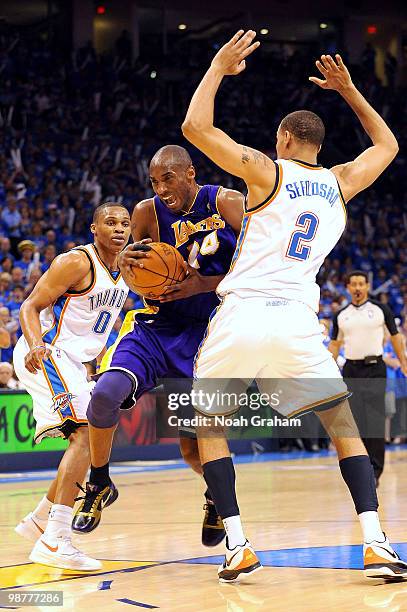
(111, 391)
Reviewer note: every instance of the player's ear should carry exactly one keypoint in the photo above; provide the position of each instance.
(191, 173)
(93, 228)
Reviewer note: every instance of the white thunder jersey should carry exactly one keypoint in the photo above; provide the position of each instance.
(285, 239)
(79, 323)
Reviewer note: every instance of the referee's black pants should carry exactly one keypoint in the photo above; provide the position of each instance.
(368, 385)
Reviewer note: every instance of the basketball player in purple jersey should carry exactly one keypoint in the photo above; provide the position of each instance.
(161, 340)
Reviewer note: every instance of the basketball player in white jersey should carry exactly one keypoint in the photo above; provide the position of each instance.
(267, 327)
(66, 321)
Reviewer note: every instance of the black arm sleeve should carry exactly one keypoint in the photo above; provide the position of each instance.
(335, 328)
(389, 319)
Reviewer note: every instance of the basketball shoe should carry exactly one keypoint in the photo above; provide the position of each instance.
(87, 516)
(239, 563)
(381, 561)
(31, 528)
(213, 530)
(60, 552)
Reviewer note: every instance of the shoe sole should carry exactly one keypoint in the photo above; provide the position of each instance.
(241, 576)
(43, 559)
(384, 572)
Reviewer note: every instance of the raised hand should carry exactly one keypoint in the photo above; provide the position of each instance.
(230, 59)
(336, 75)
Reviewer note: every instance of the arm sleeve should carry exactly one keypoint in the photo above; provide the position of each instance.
(389, 319)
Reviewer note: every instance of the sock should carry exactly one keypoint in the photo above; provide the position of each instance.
(358, 474)
(234, 532)
(100, 475)
(370, 524)
(59, 522)
(43, 509)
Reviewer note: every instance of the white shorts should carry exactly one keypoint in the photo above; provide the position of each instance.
(276, 342)
(60, 392)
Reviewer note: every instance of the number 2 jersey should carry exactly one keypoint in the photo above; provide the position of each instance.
(285, 239)
(205, 240)
(80, 322)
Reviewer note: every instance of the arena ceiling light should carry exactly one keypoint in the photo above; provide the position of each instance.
(323, 26)
(264, 31)
(182, 26)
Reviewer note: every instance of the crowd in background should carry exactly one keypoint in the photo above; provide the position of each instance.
(75, 130)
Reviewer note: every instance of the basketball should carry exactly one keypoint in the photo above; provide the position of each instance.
(164, 267)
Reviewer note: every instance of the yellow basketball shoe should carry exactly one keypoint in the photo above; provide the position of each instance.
(87, 516)
(381, 561)
(239, 563)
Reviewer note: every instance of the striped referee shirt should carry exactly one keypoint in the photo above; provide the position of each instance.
(362, 328)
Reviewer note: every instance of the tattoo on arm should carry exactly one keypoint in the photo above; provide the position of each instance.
(249, 154)
(245, 155)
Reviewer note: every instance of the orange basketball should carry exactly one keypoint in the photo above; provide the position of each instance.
(163, 267)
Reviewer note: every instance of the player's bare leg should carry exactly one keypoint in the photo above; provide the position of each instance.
(100, 441)
(213, 530)
(380, 560)
(219, 474)
(34, 524)
(55, 547)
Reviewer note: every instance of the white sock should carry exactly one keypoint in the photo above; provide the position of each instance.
(369, 521)
(59, 522)
(234, 531)
(43, 509)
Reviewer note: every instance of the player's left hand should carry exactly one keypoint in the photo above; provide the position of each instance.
(230, 59)
(193, 283)
(336, 75)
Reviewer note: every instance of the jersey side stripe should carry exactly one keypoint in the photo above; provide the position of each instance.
(242, 236)
(61, 316)
(57, 308)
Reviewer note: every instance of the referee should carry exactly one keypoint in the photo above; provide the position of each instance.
(360, 326)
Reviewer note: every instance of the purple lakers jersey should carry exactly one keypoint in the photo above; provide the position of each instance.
(204, 240)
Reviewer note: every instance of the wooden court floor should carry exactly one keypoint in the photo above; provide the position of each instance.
(297, 513)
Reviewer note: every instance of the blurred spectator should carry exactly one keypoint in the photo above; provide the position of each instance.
(26, 249)
(7, 380)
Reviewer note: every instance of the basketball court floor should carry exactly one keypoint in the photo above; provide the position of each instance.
(297, 512)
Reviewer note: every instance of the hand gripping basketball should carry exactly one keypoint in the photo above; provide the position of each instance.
(151, 267)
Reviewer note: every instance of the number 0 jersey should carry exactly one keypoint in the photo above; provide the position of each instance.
(80, 322)
(285, 239)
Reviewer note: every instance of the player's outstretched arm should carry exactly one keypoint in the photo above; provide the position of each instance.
(65, 272)
(251, 165)
(358, 174)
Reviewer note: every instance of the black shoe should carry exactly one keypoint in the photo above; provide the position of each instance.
(87, 517)
(213, 530)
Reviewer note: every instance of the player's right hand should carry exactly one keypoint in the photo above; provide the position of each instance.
(34, 358)
(134, 253)
(230, 59)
